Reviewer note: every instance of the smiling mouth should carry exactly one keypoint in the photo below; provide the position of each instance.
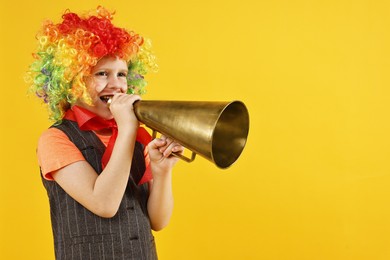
(105, 99)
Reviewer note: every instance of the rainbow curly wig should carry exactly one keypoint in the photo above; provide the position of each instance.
(68, 50)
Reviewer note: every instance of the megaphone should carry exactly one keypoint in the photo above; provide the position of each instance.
(215, 130)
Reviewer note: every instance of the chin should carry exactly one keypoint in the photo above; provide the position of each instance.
(105, 115)
(109, 117)
(101, 111)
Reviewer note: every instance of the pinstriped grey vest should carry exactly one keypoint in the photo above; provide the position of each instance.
(80, 234)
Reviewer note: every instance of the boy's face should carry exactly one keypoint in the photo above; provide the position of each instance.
(109, 76)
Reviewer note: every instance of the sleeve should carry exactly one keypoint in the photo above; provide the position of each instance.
(56, 151)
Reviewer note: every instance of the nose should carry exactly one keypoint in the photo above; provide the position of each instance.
(114, 82)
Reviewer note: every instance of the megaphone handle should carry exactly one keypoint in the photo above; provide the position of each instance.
(184, 158)
(178, 155)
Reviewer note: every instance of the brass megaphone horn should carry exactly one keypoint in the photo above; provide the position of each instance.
(215, 130)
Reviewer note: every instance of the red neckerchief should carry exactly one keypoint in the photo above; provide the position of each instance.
(88, 120)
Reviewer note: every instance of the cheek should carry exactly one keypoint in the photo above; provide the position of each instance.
(124, 86)
(95, 86)
(99, 86)
(124, 89)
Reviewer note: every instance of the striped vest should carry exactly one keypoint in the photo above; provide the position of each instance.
(80, 234)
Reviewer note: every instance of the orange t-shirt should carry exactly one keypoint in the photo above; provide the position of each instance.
(56, 151)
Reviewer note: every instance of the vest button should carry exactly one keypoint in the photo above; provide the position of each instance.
(134, 238)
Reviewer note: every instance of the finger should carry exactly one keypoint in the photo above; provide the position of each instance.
(113, 99)
(168, 142)
(123, 96)
(123, 99)
(177, 148)
(156, 143)
(172, 147)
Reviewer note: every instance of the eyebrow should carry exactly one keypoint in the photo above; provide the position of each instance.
(108, 69)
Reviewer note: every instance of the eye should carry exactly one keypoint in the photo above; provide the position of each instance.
(101, 74)
(122, 74)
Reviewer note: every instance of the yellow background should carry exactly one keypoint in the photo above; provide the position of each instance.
(313, 181)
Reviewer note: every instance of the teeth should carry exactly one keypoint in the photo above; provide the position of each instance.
(105, 98)
(109, 102)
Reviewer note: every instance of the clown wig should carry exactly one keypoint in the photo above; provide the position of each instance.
(68, 50)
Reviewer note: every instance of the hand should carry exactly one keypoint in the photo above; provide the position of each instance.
(122, 110)
(160, 154)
